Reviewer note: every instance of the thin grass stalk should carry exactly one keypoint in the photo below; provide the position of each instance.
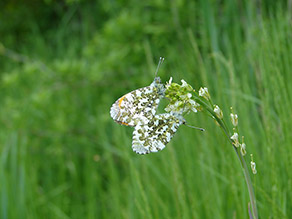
(247, 178)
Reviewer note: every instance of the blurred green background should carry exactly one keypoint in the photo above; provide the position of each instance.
(62, 65)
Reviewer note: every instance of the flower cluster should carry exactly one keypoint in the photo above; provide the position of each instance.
(180, 98)
(235, 140)
(183, 98)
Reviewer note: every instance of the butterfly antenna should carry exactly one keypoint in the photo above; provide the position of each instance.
(194, 127)
(161, 59)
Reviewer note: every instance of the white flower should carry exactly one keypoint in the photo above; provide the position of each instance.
(203, 92)
(194, 105)
(180, 107)
(177, 107)
(179, 97)
(168, 83)
(234, 119)
(242, 149)
(253, 167)
(234, 137)
(186, 96)
(184, 83)
(218, 111)
(186, 86)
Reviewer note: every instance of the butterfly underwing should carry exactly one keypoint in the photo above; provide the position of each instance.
(139, 105)
(153, 136)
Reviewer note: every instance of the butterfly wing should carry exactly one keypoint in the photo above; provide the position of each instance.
(138, 105)
(153, 136)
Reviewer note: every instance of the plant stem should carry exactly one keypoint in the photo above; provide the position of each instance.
(239, 156)
(249, 184)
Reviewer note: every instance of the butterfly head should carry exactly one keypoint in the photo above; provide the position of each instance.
(157, 84)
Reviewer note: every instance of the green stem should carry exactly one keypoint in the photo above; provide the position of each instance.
(249, 185)
(239, 156)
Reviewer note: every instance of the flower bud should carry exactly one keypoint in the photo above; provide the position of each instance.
(234, 138)
(218, 111)
(234, 119)
(243, 149)
(179, 97)
(203, 92)
(253, 167)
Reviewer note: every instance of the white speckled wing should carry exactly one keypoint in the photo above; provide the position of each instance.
(153, 136)
(139, 105)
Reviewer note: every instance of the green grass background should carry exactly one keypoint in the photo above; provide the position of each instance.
(63, 64)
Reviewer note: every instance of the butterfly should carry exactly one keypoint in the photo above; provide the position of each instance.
(154, 135)
(139, 105)
(138, 109)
